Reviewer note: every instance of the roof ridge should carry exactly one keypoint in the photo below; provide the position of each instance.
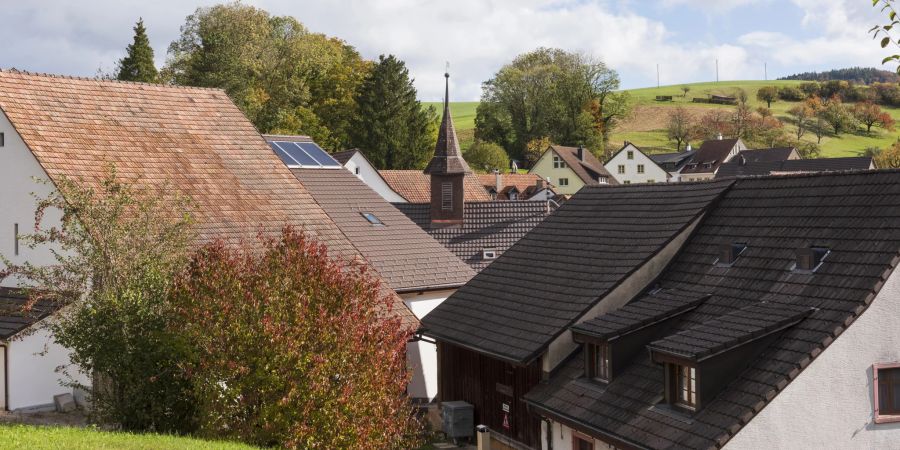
(834, 173)
(106, 80)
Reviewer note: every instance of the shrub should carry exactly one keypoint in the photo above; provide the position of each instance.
(791, 93)
(810, 88)
(487, 156)
(118, 249)
(293, 348)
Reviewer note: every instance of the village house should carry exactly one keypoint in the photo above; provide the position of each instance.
(673, 162)
(357, 163)
(631, 165)
(477, 230)
(191, 140)
(689, 315)
(398, 249)
(516, 186)
(570, 168)
(705, 162)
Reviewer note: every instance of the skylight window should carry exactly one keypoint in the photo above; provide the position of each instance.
(372, 218)
(489, 253)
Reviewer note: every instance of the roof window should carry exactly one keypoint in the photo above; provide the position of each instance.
(489, 253)
(728, 253)
(372, 218)
(810, 259)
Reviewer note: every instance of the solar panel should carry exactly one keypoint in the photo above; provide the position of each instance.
(298, 154)
(281, 154)
(318, 154)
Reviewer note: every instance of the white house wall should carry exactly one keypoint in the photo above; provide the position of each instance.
(652, 172)
(32, 378)
(370, 176)
(561, 437)
(422, 356)
(18, 171)
(830, 404)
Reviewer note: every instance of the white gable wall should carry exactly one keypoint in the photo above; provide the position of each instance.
(422, 356)
(32, 360)
(830, 404)
(18, 171)
(370, 176)
(652, 172)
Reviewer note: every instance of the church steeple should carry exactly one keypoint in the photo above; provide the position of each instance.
(447, 157)
(447, 171)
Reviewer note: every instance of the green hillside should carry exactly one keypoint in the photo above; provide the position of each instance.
(50, 437)
(646, 127)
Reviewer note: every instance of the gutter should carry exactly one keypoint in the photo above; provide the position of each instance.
(435, 287)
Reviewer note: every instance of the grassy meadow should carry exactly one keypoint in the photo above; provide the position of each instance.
(646, 126)
(51, 437)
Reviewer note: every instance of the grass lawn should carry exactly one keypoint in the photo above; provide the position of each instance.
(59, 438)
(646, 128)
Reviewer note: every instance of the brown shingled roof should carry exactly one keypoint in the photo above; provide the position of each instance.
(415, 186)
(193, 140)
(713, 152)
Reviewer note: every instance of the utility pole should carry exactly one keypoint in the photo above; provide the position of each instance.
(766, 71)
(657, 74)
(717, 70)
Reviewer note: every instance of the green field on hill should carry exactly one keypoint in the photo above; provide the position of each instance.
(53, 437)
(646, 127)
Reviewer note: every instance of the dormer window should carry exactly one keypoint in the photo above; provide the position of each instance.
(810, 259)
(489, 253)
(728, 253)
(513, 195)
(598, 361)
(602, 180)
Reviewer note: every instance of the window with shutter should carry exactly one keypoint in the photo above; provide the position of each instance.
(446, 196)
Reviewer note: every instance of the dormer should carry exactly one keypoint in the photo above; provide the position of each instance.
(699, 362)
(613, 339)
(809, 259)
(729, 253)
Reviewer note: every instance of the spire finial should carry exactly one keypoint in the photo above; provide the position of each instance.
(447, 85)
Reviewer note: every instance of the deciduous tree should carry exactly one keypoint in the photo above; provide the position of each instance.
(680, 127)
(767, 94)
(870, 114)
(487, 156)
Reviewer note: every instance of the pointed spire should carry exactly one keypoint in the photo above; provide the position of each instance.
(447, 157)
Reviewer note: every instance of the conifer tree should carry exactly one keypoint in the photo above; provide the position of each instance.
(392, 127)
(137, 65)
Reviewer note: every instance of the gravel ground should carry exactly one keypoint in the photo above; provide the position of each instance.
(72, 419)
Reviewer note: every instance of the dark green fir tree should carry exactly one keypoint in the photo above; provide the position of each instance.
(137, 65)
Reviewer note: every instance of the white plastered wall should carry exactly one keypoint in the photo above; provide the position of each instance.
(422, 356)
(562, 437)
(830, 404)
(370, 176)
(652, 172)
(33, 380)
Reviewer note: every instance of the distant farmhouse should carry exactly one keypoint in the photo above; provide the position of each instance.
(631, 165)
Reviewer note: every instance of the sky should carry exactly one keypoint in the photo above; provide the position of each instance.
(684, 38)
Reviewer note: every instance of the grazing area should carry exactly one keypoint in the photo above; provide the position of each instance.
(646, 125)
(37, 437)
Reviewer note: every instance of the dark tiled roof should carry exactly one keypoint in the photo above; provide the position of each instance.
(14, 318)
(731, 330)
(713, 151)
(344, 156)
(514, 307)
(768, 154)
(855, 215)
(672, 161)
(415, 186)
(486, 225)
(735, 169)
(404, 255)
(651, 309)
(588, 170)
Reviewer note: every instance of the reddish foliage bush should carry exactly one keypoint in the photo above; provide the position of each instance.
(293, 348)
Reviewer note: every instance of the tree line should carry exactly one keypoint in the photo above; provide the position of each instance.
(288, 80)
(860, 75)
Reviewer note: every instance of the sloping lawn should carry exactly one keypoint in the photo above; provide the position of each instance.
(63, 438)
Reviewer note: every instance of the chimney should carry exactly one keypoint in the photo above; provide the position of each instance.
(498, 180)
(538, 185)
(581, 153)
(719, 137)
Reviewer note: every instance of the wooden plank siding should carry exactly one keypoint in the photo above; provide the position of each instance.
(488, 383)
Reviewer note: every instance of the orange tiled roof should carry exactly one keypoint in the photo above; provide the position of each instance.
(415, 186)
(193, 140)
(521, 181)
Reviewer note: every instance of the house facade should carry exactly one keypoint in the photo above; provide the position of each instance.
(630, 165)
(570, 169)
(191, 140)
